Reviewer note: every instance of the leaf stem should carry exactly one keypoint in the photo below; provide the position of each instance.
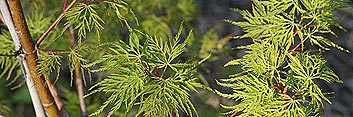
(292, 50)
(51, 51)
(234, 114)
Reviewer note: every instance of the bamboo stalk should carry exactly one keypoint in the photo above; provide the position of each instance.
(31, 58)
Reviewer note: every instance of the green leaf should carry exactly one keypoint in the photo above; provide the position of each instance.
(84, 17)
(278, 77)
(147, 75)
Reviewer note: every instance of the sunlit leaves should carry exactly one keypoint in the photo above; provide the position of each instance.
(166, 99)
(48, 63)
(306, 69)
(85, 18)
(121, 88)
(78, 63)
(165, 52)
(9, 65)
(278, 68)
(257, 97)
(147, 75)
(283, 20)
(38, 21)
(119, 6)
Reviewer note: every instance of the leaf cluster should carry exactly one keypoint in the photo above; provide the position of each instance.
(49, 63)
(86, 17)
(72, 103)
(147, 75)
(9, 64)
(87, 20)
(4, 110)
(279, 75)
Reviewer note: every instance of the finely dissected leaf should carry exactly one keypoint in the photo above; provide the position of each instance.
(148, 76)
(119, 6)
(9, 65)
(311, 67)
(85, 18)
(76, 60)
(49, 63)
(5, 110)
(279, 76)
(246, 90)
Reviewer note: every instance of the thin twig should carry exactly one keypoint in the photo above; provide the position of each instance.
(2, 19)
(51, 51)
(57, 98)
(70, 30)
(291, 51)
(79, 87)
(86, 1)
(173, 114)
(65, 3)
(235, 113)
(52, 26)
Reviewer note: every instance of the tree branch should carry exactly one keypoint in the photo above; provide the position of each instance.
(6, 18)
(31, 58)
(51, 51)
(57, 98)
(52, 26)
(292, 50)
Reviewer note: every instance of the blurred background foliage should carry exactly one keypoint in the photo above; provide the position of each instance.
(211, 35)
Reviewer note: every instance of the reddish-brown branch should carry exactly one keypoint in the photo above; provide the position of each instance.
(31, 58)
(79, 87)
(51, 51)
(295, 32)
(234, 114)
(173, 114)
(292, 50)
(86, 1)
(296, 47)
(65, 3)
(57, 98)
(279, 87)
(52, 26)
(71, 35)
